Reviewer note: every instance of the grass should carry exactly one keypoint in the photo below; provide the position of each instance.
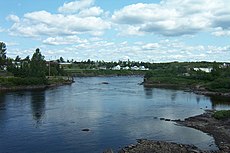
(82, 72)
(222, 114)
(17, 81)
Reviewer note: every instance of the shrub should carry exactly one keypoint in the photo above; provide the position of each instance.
(222, 114)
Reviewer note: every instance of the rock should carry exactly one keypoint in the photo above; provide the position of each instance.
(162, 118)
(85, 130)
(105, 83)
(167, 119)
(108, 151)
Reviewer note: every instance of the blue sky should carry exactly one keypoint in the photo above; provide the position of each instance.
(140, 30)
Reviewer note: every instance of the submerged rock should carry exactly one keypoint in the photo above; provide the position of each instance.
(105, 83)
(85, 130)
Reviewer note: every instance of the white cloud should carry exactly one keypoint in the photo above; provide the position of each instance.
(93, 11)
(174, 18)
(44, 23)
(13, 18)
(1, 29)
(63, 40)
(75, 6)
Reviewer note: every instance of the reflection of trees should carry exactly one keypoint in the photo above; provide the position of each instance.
(38, 105)
(173, 96)
(219, 101)
(198, 99)
(2, 105)
(148, 92)
(2, 101)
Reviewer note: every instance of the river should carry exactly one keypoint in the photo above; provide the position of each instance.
(116, 114)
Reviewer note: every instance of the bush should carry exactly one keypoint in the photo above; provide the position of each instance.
(222, 114)
(220, 84)
(17, 81)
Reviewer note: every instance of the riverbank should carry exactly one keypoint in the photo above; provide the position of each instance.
(94, 73)
(151, 146)
(197, 89)
(49, 83)
(219, 129)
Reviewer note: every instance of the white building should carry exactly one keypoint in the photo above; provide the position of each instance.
(134, 68)
(118, 67)
(207, 70)
(126, 68)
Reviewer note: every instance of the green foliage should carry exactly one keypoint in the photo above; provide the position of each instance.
(82, 73)
(17, 81)
(219, 84)
(222, 114)
(2, 55)
(37, 65)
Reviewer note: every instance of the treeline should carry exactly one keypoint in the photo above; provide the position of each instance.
(37, 66)
(174, 66)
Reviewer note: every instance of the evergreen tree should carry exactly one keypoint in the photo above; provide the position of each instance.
(37, 64)
(2, 55)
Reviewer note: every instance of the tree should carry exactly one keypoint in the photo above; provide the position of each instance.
(37, 64)
(2, 55)
(62, 60)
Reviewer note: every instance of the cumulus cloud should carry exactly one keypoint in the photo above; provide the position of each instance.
(44, 23)
(64, 40)
(13, 18)
(75, 6)
(93, 11)
(175, 18)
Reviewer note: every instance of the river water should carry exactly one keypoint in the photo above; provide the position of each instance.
(117, 114)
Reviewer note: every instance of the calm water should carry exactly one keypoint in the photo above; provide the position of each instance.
(117, 114)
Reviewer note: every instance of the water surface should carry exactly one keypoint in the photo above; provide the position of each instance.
(117, 114)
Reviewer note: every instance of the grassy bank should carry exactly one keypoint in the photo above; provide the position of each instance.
(90, 72)
(18, 81)
(197, 81)
(30, 83)
(222, 114)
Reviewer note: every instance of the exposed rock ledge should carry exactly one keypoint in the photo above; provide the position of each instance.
(219, 129)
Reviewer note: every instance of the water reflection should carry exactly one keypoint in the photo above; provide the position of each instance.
(38, 105)
(2, 101)
(220, 102)
(2, 106)
(173, 96)
(148, 92)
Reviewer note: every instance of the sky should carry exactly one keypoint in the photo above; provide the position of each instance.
(135, 30)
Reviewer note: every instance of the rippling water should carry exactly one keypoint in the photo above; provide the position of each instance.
(117, 114)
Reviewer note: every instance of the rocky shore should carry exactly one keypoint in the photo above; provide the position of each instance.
(219, 129)
(150, 146)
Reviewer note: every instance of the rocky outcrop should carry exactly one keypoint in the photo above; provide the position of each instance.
(150, 146)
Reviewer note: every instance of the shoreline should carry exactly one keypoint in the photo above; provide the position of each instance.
(219, 129)
(34, 87)
(196, 90)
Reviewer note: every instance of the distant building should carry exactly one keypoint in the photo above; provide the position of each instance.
(134, 68)
(207, 70)
(126, 68)
(102, 68)
(118, 67)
